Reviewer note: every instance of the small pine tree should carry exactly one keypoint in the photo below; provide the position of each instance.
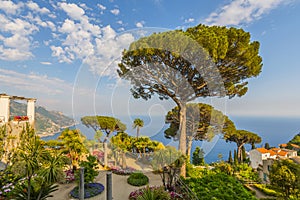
(253, 146)
(267, 145)
(198, 156)
(230, 160)
(235, 158)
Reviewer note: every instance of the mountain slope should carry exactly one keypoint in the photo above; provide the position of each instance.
(46, 122)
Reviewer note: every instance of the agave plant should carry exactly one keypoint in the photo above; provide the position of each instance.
(41, 193)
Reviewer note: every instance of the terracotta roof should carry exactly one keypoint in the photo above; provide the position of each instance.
(282, 153)
(262, 150)
(276, 149)
(283, 145)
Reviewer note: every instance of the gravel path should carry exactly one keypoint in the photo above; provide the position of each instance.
(121, 189)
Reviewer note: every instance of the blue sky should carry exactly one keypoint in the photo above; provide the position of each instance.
(64, 53)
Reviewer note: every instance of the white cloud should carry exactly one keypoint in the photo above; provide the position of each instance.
(140, 24)
(115, 11)
(9, 7)
(189, 20)
(35, 7)
(46, 63)
(242, 11)
(17, 43)
(73, 10)
(102, 7)
(34, 82)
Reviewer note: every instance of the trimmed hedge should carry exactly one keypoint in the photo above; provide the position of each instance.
(137, 179)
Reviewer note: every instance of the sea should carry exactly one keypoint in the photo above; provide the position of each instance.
(272, 130)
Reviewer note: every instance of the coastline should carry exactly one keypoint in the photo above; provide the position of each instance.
(46, 134)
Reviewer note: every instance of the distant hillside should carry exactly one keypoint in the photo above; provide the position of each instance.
(46, 122)
(296, 140)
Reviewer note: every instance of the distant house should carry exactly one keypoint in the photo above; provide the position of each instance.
(262, 159)
(259, 154)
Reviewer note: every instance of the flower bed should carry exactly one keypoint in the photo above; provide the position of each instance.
(158, 192)
(21, 118)
(121, 171)
(69, 176)
(90, 190)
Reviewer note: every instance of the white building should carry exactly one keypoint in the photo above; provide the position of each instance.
(258, 155)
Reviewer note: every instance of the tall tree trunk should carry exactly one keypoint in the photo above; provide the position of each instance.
(182, 132)
(189, 146)
(137, 132)
(239, 152)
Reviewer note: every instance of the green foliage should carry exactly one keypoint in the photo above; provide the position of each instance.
(266, 190)
(98, 135)
(296, 139)
(195, 172)
(284, 177)
(3, 135)
(7, 181)
(245, 173)
(40, 168)
(137, 179)
(138, 123)
(90, 171)
(104, 123)
(203, 122)
(224, 168)
(267, 145)
(73, 141)
(218, 186)
(241, 137)
(235, 158)
(21, 192)
(150, 193)
(198, 156)
(168, 161)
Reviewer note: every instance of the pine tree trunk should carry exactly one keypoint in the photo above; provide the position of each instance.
(189, 146)
(182, 132)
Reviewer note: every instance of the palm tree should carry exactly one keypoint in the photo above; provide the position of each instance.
(138, 123)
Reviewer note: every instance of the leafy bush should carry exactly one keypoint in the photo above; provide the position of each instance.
(137, 179)
(42, 193)
(218, 186)
(266, 190)
(90, 167)
(153, 193)
(7, 182)
(195, 172)
(90, 190)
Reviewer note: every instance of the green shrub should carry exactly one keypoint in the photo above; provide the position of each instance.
(137, 179)
(218, 186)
(266, 190)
